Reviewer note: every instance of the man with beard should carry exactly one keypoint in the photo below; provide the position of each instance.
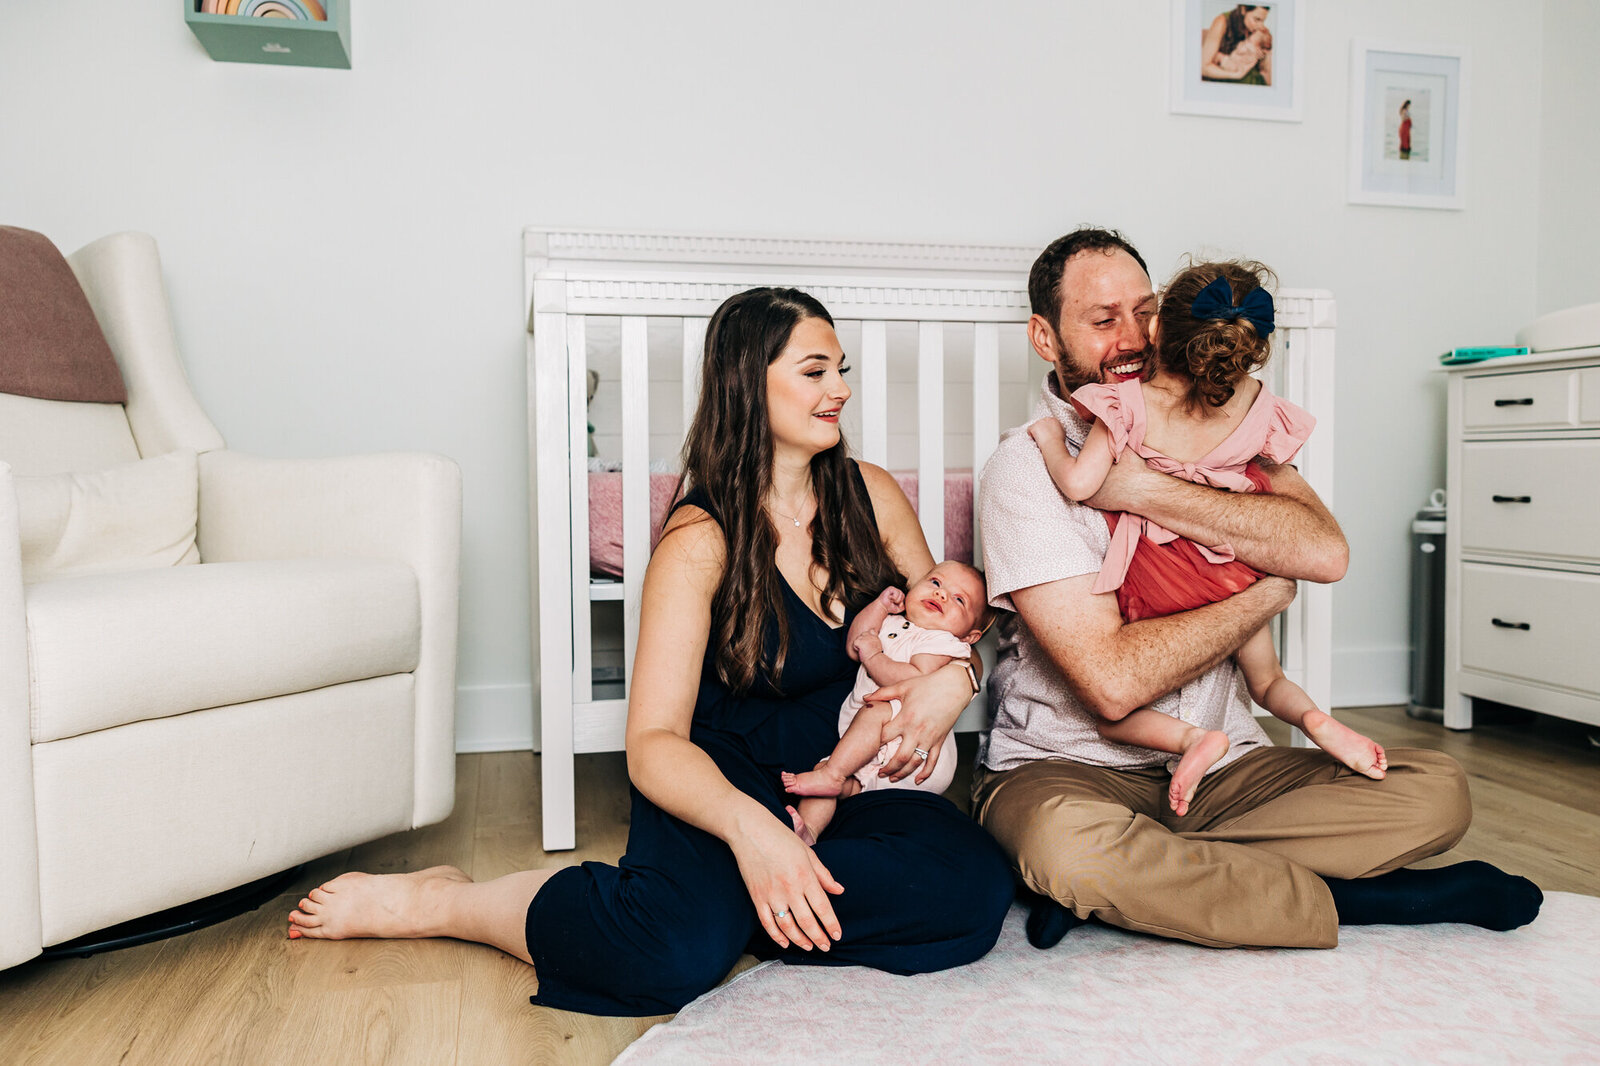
(1280, 845)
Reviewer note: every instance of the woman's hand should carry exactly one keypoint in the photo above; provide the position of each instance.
(929, 707)
(788, 885)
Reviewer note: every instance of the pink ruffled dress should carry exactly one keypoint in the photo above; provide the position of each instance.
(1154, 571)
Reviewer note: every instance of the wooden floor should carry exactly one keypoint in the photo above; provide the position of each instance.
(239, 992)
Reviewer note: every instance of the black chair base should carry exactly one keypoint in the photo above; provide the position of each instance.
(184, 918)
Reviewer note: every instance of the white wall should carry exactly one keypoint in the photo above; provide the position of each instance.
(1569, 218)
(343, 247)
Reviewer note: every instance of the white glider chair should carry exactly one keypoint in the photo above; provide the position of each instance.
(213, 667)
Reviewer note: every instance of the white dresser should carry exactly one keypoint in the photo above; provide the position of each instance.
(1522, 543)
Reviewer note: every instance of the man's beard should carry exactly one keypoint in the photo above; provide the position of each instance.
(1070, 376)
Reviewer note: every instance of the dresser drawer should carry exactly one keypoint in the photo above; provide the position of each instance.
(1532, 624)
(1589, 396)
(1540, 399)
(1531, 498)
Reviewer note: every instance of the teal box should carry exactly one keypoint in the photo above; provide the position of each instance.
(287, 42)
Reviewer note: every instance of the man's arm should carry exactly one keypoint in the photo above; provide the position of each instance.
(1287, 531)
(1116, 667)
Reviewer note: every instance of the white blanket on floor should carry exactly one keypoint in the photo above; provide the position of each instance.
(1387, 994)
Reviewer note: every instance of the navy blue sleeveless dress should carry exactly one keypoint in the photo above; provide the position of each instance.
(925, 887)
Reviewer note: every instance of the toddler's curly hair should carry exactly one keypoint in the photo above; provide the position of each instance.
(1214, 354)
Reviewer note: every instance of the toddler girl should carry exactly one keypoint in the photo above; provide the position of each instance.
(1201, 416)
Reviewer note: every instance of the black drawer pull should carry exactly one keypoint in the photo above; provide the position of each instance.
(1525, 402)
(1503, 624)
(1512, 499)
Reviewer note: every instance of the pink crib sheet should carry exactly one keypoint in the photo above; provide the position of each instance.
(605, 515)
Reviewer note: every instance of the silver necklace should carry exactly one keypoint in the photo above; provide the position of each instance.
(790, 517)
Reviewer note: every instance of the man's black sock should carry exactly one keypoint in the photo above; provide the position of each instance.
(1471, 893)
(1048, 921)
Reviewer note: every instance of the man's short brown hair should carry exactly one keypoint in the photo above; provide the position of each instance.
(1044, 280)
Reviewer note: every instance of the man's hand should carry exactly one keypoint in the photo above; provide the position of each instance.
(1128, 486)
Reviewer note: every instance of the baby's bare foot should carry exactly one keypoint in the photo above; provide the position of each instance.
(1201, 756)
(813, 783)
(375, 905)
(1361, 754)
(800, 827)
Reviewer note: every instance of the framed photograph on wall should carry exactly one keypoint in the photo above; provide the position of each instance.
(1238, 60)
(1408, 125)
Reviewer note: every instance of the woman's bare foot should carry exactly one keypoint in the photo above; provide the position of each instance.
(375, 905)
(800, 829)
(1200, 756)
(1361, 754)
(823, 781)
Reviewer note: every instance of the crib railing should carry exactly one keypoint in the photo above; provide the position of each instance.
(573, 279)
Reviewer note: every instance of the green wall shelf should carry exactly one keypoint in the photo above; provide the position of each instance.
(286, 42)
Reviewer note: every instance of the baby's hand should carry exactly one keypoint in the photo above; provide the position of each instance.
(866, 646)
(893, 600)
(1047, 431)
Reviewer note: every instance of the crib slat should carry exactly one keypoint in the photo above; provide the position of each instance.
(985, 414)
(874, 398)
(694, 343)
(578, 450)
(635, 478)
(930, 434)
(554, 600)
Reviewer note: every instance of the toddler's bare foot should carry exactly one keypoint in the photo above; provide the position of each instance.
(1202, 755)
(819, 782)
(800, 827)
(1361, 754)
(375, 905)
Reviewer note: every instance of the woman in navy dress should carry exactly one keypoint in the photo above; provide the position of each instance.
(739, 674)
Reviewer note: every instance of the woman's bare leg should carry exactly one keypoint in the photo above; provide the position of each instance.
(440, 901)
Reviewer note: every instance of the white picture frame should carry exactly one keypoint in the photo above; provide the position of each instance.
(1203, 82)
(1408, 125)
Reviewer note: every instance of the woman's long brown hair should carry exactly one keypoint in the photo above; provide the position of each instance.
(728, 455)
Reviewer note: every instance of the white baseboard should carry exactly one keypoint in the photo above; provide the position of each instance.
(1371, 677)
(494, 718)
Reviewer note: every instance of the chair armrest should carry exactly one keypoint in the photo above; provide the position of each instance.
(400, 506)
(21, 933)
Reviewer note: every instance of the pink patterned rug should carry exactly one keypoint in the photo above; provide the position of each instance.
(1387, 994)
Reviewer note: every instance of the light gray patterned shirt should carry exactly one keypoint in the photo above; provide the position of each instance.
(1033, 535)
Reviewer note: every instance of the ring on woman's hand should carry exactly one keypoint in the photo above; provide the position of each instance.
(780, 914)
(919, 753)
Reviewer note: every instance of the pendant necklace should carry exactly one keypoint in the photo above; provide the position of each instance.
(790, 517)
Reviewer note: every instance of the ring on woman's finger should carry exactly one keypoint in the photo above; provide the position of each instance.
(780, 914)
(919, 753)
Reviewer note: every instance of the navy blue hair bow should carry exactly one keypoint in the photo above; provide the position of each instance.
(1216, 301)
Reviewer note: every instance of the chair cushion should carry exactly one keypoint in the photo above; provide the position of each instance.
(51, 346)
(134, 516)
(111, 649)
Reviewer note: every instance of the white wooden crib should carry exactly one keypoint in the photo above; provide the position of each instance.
(966, 302)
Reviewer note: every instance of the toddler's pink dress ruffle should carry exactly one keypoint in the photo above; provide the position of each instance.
(1154, 571)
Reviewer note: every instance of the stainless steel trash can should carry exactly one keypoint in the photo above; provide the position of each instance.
(1427, 611)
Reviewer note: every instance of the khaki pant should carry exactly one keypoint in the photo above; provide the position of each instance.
(1241, 868)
